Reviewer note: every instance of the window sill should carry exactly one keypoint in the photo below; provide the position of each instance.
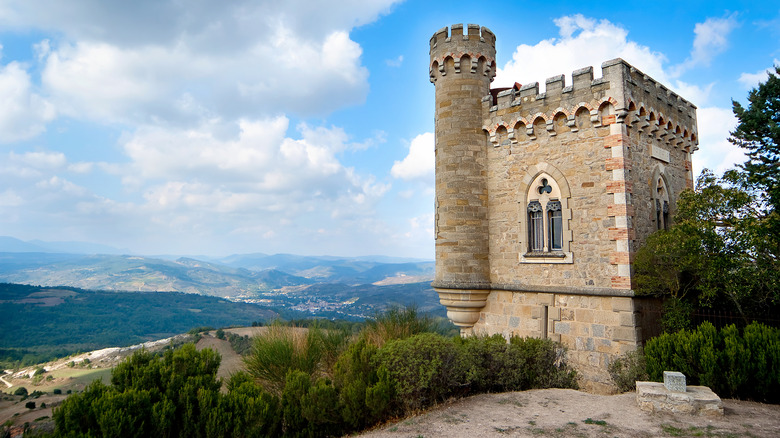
(546, 257)
(542, 254)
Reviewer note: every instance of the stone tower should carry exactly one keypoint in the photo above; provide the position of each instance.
(462, 69)
(542, 198)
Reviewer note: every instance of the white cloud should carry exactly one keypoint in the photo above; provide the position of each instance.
(715, 151)
(421, 226)
(395, 62)
(711, 39)
(751, 80)
(587, 42)
(583, 42)
(420, 161)
(181, 63)
(23, 113)
(261, 169)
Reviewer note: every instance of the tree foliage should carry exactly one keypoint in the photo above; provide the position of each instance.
(758, 133)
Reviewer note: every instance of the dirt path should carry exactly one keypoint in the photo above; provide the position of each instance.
(231, 361)
(569, 413)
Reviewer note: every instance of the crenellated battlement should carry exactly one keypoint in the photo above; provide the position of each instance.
(474, 33)
(623, 94)
(471, 52)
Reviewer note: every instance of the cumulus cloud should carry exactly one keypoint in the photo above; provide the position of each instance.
(587, 42)
(178, 84)
(751, 80)
(23, 113)
(168, 62)
(583, 42)
(260, 170)
(260, 188)
(711, 39)
(420, 161)
(715, 151)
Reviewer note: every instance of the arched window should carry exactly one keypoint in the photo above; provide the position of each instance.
(555, 225)
(661, 201)
(545, 215)
(535, 227)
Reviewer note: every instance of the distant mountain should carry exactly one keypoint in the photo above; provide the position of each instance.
(359, 270)
(12, 244)
(135, 273)
(237, 276)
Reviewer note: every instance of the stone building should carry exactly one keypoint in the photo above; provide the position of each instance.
(543, 198)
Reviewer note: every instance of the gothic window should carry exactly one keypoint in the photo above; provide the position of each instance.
(544, 222)
(555, 225)
(535, 227)
(661, 198)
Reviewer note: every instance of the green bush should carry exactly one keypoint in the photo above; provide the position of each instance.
(397, 323)
(57, 391)
(246, 410)
(283, 349)
(220, 334)
(733, 363)
(627, 369)
(426, 368)
(30, 405)
(365, 393)
(490, 367)
(542, 363)
(21, 391)
(242, 345)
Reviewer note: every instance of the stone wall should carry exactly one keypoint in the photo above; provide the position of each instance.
(595, 329)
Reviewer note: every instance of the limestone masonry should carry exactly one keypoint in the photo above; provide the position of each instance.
(543, 198)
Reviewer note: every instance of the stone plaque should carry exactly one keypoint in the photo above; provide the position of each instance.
(660, 154)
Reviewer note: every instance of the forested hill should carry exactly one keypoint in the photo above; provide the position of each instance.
(56, 321)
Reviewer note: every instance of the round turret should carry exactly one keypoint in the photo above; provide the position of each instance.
(461, 68)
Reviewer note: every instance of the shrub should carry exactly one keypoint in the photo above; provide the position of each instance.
(57, 391)
(30, 405)
(490, 366)
(242, 345)
(220, 334)
(397, 323)
(282, 349)
(627, 369)
(21, 391)
(425, 368)
(246, 410)
(365, 392)
(542, 364)
(742, 364)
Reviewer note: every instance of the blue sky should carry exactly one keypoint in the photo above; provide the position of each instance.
(213, 128)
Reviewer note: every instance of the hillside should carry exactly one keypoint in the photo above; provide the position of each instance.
(39, 323)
